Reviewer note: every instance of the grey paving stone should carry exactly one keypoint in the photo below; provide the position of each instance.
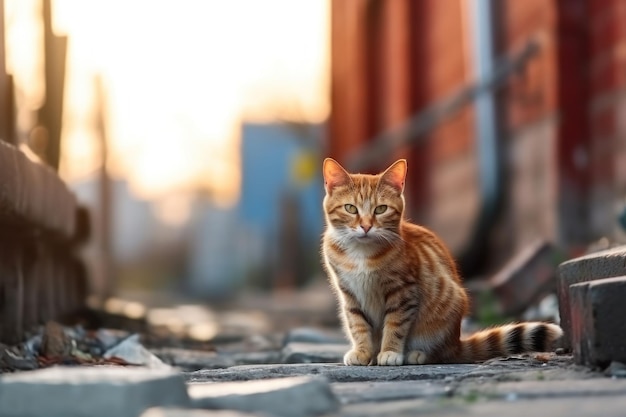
(296, 352)
(605, 264)
(288, 397)
(90, 391)
(553, 407)
(185, 412)
(334, 372)
(357, 392)
(313, 335)
(191, 360)
(398, 408)
(609, 406)
(597, 387)
(194, 360)
(597, 314)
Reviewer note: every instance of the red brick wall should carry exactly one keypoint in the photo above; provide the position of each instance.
(390, 60)
(562, 117)
(607, 114)
(529, 121)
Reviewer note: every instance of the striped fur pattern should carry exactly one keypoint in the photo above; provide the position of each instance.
(401, 297)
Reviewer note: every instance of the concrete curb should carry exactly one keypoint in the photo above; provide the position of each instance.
(605, 264)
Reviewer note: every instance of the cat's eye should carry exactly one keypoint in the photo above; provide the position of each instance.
(350, 208)
(380, 209)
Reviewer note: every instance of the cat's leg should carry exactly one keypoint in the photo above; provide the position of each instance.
(399, 318)
(359, 328)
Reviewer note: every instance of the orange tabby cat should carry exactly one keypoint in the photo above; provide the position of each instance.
(400, 294)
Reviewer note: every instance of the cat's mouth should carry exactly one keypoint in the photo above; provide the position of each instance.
(365, 237)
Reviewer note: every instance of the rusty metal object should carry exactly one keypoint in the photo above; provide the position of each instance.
(41, 277)
(526, 278)
(33, 194)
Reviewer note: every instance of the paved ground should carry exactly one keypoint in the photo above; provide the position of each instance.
(280, 375)
(547, 384)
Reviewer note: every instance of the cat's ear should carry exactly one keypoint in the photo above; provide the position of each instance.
(334, 174)
(395, 175)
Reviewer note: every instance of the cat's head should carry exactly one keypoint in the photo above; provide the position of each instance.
(364, 208)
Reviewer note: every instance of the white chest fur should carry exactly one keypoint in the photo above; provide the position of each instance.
(366, 288)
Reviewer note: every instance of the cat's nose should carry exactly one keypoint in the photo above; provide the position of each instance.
(366, 227)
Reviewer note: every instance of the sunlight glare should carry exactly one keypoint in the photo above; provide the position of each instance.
(180, 77)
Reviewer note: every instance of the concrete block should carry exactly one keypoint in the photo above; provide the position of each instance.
(604, 264)
(287, 397)
(90, 391)
(578, 319)
(597, 310)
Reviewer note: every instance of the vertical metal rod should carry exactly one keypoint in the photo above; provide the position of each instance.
(473, 256)
(486, 126)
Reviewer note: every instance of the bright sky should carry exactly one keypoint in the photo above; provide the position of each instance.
(179, 77)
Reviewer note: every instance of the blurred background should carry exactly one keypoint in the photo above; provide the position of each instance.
(194, 131)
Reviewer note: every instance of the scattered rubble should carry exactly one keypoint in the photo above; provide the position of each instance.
(55, 344)
(133, 352)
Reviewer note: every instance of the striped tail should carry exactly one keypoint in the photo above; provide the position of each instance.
(508, 340)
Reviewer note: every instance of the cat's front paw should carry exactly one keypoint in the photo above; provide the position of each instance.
(357, 357)
(389, 358)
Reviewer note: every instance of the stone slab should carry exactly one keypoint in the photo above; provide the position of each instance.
(89, 391)
(595, 387)
(610, 406)
(194, 360)
(296, 352)
(185, 412)
(605, 264)
(377, 391)
(597, 311)
(333, 372)
(285, 397)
